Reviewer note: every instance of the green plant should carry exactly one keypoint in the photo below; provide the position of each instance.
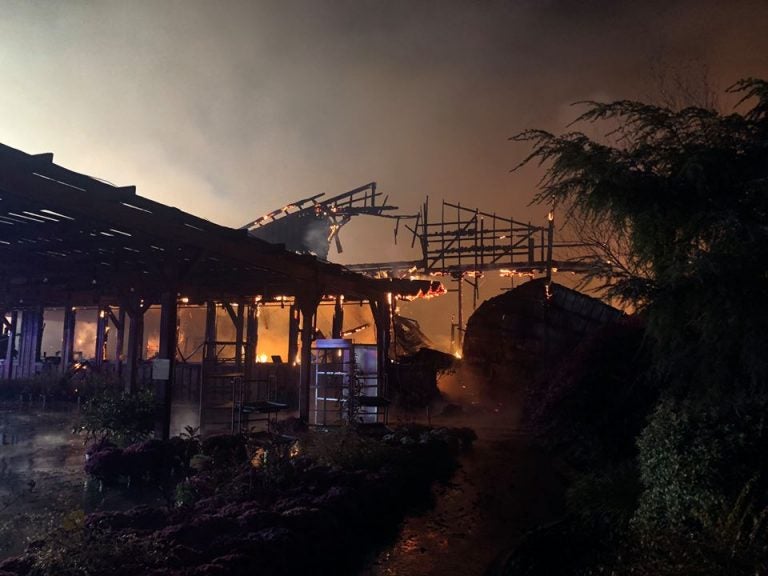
(70, 548)
(348, 449)
(272, 456)
(84, 382)
(705, 485)
(119, 417)
(191, 433)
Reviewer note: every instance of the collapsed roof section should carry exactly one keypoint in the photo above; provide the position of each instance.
(70, 239)
(309, 226)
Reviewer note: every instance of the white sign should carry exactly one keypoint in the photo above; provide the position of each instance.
(161, 369)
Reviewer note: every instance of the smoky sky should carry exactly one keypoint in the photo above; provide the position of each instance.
(229, 109)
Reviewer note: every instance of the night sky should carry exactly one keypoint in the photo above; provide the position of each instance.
(230, 109)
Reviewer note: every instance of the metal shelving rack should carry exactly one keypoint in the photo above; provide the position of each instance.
(345, 384)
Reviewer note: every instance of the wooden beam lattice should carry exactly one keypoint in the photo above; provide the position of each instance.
(468, 240)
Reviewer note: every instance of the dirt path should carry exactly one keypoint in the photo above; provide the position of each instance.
(503, 488)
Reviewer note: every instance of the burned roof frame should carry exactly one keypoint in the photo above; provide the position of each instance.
(70, 239)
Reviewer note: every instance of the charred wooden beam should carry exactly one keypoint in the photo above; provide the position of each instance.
(167, 354)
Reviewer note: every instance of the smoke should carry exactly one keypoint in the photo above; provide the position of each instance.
(229, 111)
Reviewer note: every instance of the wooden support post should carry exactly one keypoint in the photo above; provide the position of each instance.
(68, 338)
(238, 320)
(338, 317)
(101, 336)
(168, 342)
(9, 353)
(119, 323)
(307, 304)
(5, 331)
(239, 333)
(382, 316)
(40, 330)
(293, 333)
(530, 248)
(135, 346)
(210, 334)
(31, 325)
(251, 339)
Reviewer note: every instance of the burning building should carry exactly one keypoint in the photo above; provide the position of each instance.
(72, 245)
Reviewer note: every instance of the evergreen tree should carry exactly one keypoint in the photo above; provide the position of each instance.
(689, 188)
(687, 191)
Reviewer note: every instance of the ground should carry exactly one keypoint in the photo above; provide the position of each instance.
(40, 471)
(502, 488)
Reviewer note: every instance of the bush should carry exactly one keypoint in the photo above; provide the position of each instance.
(345, 448)
(153, 462)
(705, 478)
(588, 413)
(49, 385)
(121, 418)
(595, 403)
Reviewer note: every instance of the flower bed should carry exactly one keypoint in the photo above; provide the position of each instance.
(263, 504)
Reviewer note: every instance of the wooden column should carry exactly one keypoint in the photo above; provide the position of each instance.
(134, 353)
(101, 336)
(251, 339)
(210, 333)
(239, 336)
(9, 359)
(119, 323)
(338, 318)
(293, 333)
(68, 338)
(168, 343)
(5, 330)
(308, 306)
(238, 320)
(31, 326)
(41, 329)
(382, 315)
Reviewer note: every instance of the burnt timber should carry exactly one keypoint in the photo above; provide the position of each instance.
(310, 225)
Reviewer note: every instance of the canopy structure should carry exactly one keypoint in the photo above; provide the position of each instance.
(68, 240)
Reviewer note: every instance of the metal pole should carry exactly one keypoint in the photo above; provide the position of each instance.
(460, 316)
(550, 238)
